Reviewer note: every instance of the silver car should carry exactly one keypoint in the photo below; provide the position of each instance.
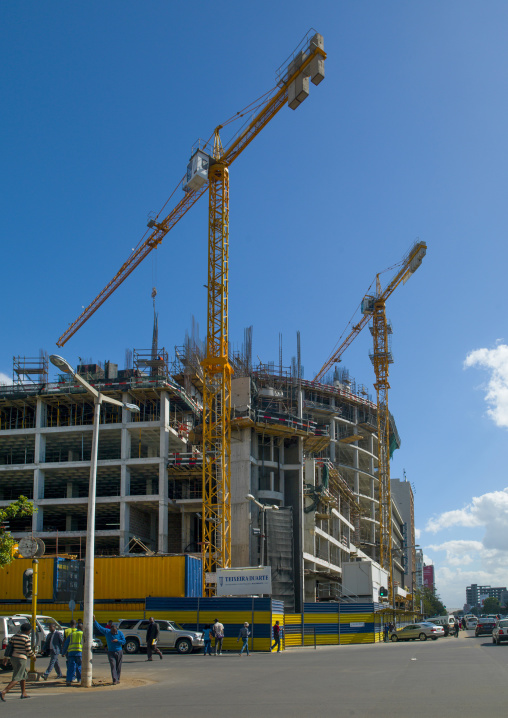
(420, 631)
(500, 631)
(171, 635)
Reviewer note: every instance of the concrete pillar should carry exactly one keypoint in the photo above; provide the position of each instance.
(38, 489)
(124, 527)
(38, 519)
(125, 481)
(331, 429)
(163, 473)
(125, 445)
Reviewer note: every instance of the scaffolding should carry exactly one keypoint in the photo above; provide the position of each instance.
(27, 371)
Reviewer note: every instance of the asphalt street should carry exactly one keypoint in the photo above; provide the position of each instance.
(464, 677)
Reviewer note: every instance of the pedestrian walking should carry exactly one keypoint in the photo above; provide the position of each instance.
(73, 649)
(244, 635)
(115, 640)
(218, 632)
(21, 651)
(207, 638)
(457, 628)
(152, 636)
(53, 645)
(276, 636)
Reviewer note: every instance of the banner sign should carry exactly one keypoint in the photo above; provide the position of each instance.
(244, 581)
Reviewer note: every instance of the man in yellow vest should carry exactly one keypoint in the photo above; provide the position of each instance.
(72, 627)
(73, 649)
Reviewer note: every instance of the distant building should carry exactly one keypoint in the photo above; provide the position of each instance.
(402, 496)
(428, 578)
(476, 595)
(418, 569)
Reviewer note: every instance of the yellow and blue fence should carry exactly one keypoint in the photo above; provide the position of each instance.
(334, 624)
(196, 613)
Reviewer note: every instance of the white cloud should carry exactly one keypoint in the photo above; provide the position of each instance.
(496, 361)
(459, 552)
(457, 517)
(462, 561)
(418, 534)
(489, 511)
(4, 379)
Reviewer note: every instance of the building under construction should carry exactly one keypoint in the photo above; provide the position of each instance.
(307, 448)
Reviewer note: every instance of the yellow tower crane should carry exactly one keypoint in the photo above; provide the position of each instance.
(210, 170)
(373, 307)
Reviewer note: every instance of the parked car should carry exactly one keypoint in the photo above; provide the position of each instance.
(422, 631)
(500, 631)
(471, 623)
(447, 622)
(43, 624)
(171, 635)
(9, 625)
(484, 626)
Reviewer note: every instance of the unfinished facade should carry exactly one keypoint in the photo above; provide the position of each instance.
(307, 448)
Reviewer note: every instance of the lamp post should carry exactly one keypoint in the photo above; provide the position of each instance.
(88, 611)
(263, 508)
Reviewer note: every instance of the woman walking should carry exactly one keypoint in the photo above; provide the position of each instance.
(21, 652)
(207, 637)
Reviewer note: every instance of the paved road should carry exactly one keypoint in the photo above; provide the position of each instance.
(464, 677)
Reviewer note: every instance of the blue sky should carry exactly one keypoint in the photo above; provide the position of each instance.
(405, 138)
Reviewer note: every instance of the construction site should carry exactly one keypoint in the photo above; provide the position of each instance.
(309, 448)
(239, 464)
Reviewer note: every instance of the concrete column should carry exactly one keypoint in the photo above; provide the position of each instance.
(40, 414)
(163, 473)
(38, 489)
(331, 429)
(125, 481)
(38, 519)
(124, 527)
(356, 467)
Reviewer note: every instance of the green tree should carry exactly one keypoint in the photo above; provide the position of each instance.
(18, 509)
(491, 605)
(432, 604)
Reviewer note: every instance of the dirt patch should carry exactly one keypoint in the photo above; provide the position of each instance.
(58, 686)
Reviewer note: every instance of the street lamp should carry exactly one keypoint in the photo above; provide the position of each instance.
(88, 610)
(263, 508)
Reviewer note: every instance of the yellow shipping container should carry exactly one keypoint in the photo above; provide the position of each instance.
(136, 577)
(11, 579)
(121, 577)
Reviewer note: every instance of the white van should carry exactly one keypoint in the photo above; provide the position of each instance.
(471, 622)
(447, 622)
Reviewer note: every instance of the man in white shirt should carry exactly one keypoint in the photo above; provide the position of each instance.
(218, 632)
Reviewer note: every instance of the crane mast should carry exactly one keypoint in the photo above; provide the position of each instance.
(216, 515)
(374, 307)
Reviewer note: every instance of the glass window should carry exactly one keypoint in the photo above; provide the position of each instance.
(143, 626)
(163, 625)
(176, 626)
(126, 625)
